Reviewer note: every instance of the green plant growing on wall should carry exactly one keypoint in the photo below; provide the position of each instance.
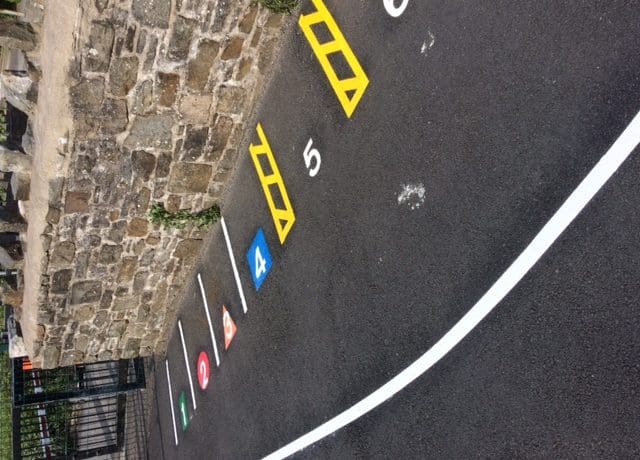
(204, 218)
(3, 194)
(280, 6)
(3, 126)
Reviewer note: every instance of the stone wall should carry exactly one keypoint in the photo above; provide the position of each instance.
(159, 95)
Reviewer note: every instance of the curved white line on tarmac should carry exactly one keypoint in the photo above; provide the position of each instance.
(599, 175)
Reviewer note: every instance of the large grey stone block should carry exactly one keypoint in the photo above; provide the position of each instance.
(153, 13)
(98, 52)
(181, 37)
(190, 178)
(123, 75)
(86, 292)
(153, 131)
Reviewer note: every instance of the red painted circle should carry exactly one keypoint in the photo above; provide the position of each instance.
(204, 370)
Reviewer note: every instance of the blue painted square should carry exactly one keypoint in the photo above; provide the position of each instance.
(259, 259)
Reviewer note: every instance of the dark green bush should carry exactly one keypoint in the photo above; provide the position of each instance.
(280, 6)
(159, 215)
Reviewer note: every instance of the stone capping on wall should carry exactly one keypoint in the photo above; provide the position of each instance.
(159, 95)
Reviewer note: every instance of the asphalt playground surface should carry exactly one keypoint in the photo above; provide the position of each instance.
(479, 120)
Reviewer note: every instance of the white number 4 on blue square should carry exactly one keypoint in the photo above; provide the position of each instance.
(259, 259)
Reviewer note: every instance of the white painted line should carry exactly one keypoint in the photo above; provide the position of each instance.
(236, 275)
(428, 44)
(186, 363)
(610, 162)
(173, 412)
(206, 310)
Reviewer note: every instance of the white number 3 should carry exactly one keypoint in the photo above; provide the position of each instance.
(310, 156)
(261, 263)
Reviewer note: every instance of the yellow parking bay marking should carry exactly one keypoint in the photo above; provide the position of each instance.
(356, 84)
(283, 219)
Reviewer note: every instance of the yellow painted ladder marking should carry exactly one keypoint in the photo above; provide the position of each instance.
(358, 84)
(283, 219)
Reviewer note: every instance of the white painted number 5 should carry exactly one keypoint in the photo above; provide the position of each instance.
(261, 263)
(393, 10)
(311, 156)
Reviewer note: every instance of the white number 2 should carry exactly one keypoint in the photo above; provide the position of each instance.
(311, 155)
(261, 263)
(393, 10)
(203, 371)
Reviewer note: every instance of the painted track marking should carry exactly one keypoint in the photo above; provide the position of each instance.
(230, 328)
(279, 215)
(186, 363)
(206, 310)
(393, 10)
(259, 259)
(581, 196)
(236, 275)
(173, 412)
(312, 155)
(356, 84)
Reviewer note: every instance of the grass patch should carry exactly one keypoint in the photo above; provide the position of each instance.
(3, 126)
(5, 397)
(59, 415)
(5, 405)
(280, 6)
(159, 215)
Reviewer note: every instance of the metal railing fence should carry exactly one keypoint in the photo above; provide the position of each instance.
(79, 412)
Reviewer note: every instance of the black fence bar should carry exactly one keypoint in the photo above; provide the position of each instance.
(79, 412)
(16, 435)
(69, 383)
(79, 393)
(138, 368)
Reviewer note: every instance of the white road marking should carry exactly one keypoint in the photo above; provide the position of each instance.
(173, 412)
(186, 363)
(206, 310)
(393, 10)
(599, 175)
(312, 156)
(428, 44)
(236, 275)
(412, 195)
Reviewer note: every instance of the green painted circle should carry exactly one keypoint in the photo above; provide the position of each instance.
(183, 409)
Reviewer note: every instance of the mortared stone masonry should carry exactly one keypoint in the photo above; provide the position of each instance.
(159, 95)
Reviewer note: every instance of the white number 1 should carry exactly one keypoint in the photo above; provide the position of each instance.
(261, 263)
(309, 156)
